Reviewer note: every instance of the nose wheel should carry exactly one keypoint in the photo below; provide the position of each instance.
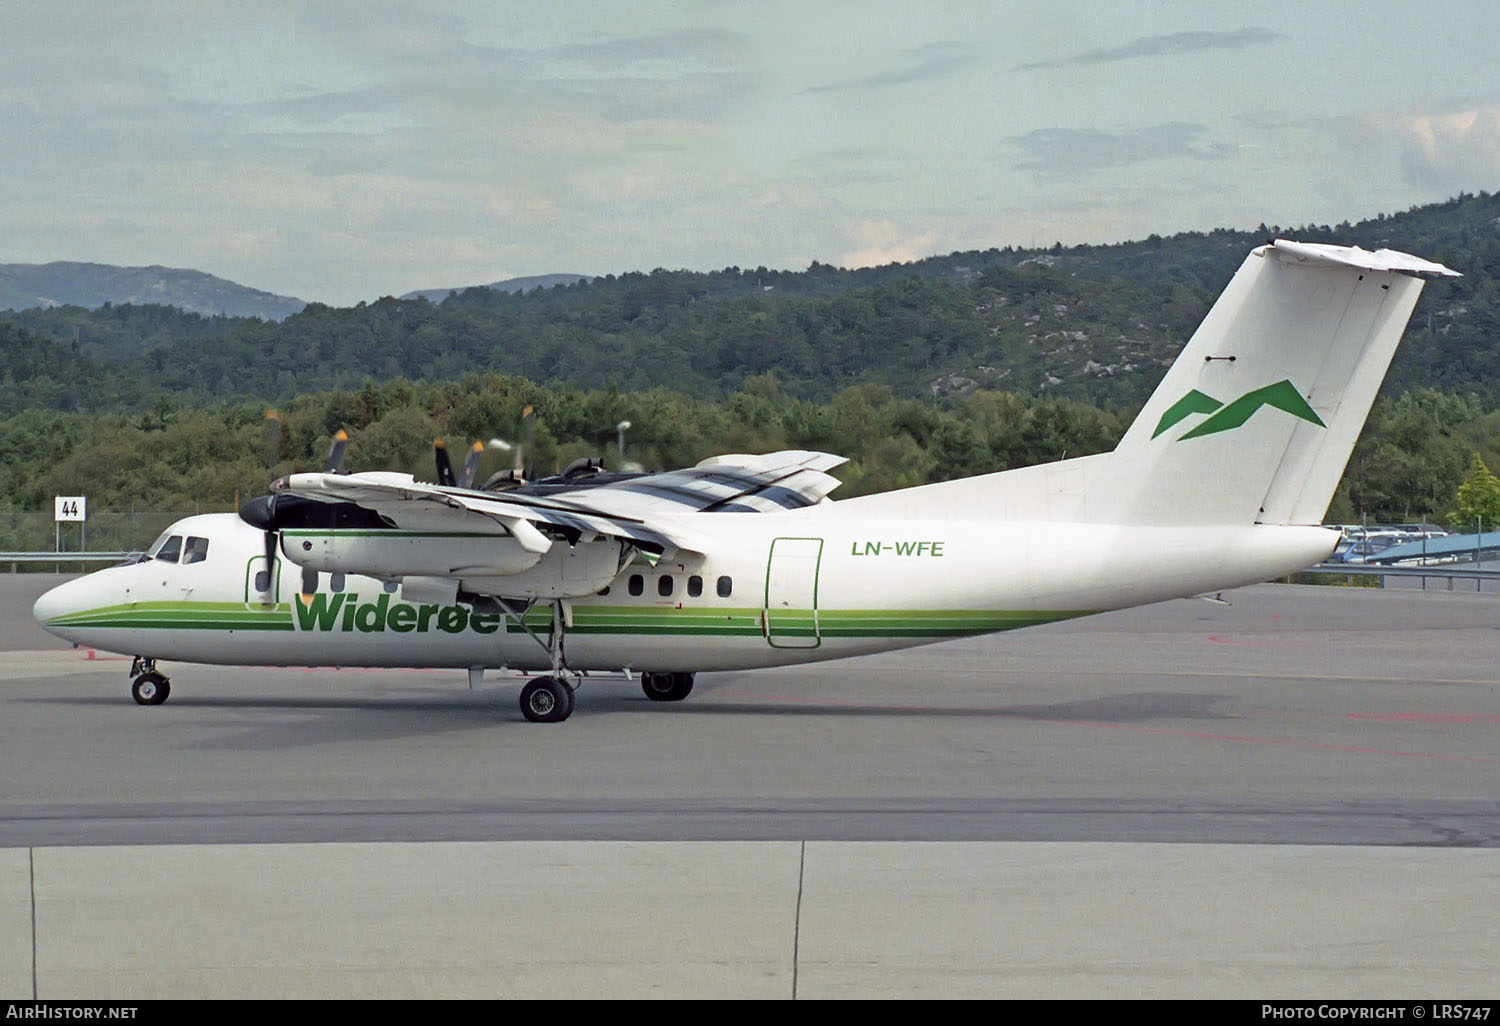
(149, 687)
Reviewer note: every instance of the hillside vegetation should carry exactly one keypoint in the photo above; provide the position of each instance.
(949, 366)
(1094, 323)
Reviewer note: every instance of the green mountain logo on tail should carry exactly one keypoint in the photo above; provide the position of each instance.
(1226, 417)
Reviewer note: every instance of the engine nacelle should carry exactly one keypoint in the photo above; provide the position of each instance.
(566, 571)
(392, 553)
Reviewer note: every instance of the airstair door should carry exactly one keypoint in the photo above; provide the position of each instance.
(791, 610)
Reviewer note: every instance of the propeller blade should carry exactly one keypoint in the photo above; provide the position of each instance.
(471, 466)
(261, 512)
(273, 442)
(528, 442)
(336, 453)
(444, 465)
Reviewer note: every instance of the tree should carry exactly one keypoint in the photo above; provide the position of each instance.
(1478, 497)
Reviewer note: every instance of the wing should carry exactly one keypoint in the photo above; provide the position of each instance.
(645, 511)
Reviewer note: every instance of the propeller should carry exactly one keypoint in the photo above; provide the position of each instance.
(444, 465)
(528, 423)
(471, 466)
(273, 441)
(260, 512)
(445, 475)
(336, 453)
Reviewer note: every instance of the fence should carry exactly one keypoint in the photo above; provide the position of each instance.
(34, 531)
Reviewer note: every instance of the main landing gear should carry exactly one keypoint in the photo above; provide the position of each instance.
(667, 687)
(546, 700)
(150, 686)
(549, 699)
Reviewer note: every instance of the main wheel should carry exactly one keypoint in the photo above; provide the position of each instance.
(150, 689)
(667, 687)
(546, 700)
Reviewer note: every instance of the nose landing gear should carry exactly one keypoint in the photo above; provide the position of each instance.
(150, 686)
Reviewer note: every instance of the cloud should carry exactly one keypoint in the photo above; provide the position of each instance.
(705, 48)
(1163, 46)
(882, 242)
(1071, 151)
(1441, 147)
(923, 63)
(1453, 148)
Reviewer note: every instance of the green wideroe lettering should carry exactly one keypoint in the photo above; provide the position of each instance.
(453, 619)
(320, 614)
(371, 615)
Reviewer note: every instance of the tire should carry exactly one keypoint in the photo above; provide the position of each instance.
(546, 700)
(667, 687)
(150, 689)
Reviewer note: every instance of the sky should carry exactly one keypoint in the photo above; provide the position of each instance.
(339, 152)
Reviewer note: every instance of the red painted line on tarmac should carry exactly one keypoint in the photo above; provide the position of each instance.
(1421, 717)
(1287, 744)
(1167, 731)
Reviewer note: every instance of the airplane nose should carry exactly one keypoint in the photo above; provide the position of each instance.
(57, 602)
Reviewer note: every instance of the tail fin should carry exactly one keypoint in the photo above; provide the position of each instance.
(1256, 419)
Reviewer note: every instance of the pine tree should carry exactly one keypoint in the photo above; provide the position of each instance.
(1478, 497)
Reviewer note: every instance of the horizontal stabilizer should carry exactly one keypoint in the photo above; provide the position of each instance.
(1312, 253)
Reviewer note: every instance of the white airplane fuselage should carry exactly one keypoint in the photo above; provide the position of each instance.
(802, 586)
(1240, 446)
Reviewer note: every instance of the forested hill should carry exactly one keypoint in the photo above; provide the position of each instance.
(24, 286)
(1097, 323)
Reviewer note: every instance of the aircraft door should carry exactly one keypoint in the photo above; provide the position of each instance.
(257, 579)
(791, 609)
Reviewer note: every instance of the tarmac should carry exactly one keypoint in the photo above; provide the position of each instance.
(1291, 795)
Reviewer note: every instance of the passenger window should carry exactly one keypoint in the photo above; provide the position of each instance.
(695, 586)
(604, 591)
(637, 584)
(390, 587)
(309, 581)
(335, 582)
(195, 551)
(664, 585)
(170, 549)
(726, 586)
(262, 580)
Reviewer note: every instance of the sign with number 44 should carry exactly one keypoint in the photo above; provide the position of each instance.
(69, 508)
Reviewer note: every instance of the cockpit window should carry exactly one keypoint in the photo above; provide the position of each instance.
(195, 551)
(169, 550)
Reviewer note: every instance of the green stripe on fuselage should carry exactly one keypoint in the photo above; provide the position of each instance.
(594, 620)
(182, 616)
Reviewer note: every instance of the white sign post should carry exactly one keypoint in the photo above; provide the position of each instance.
(70, 509)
